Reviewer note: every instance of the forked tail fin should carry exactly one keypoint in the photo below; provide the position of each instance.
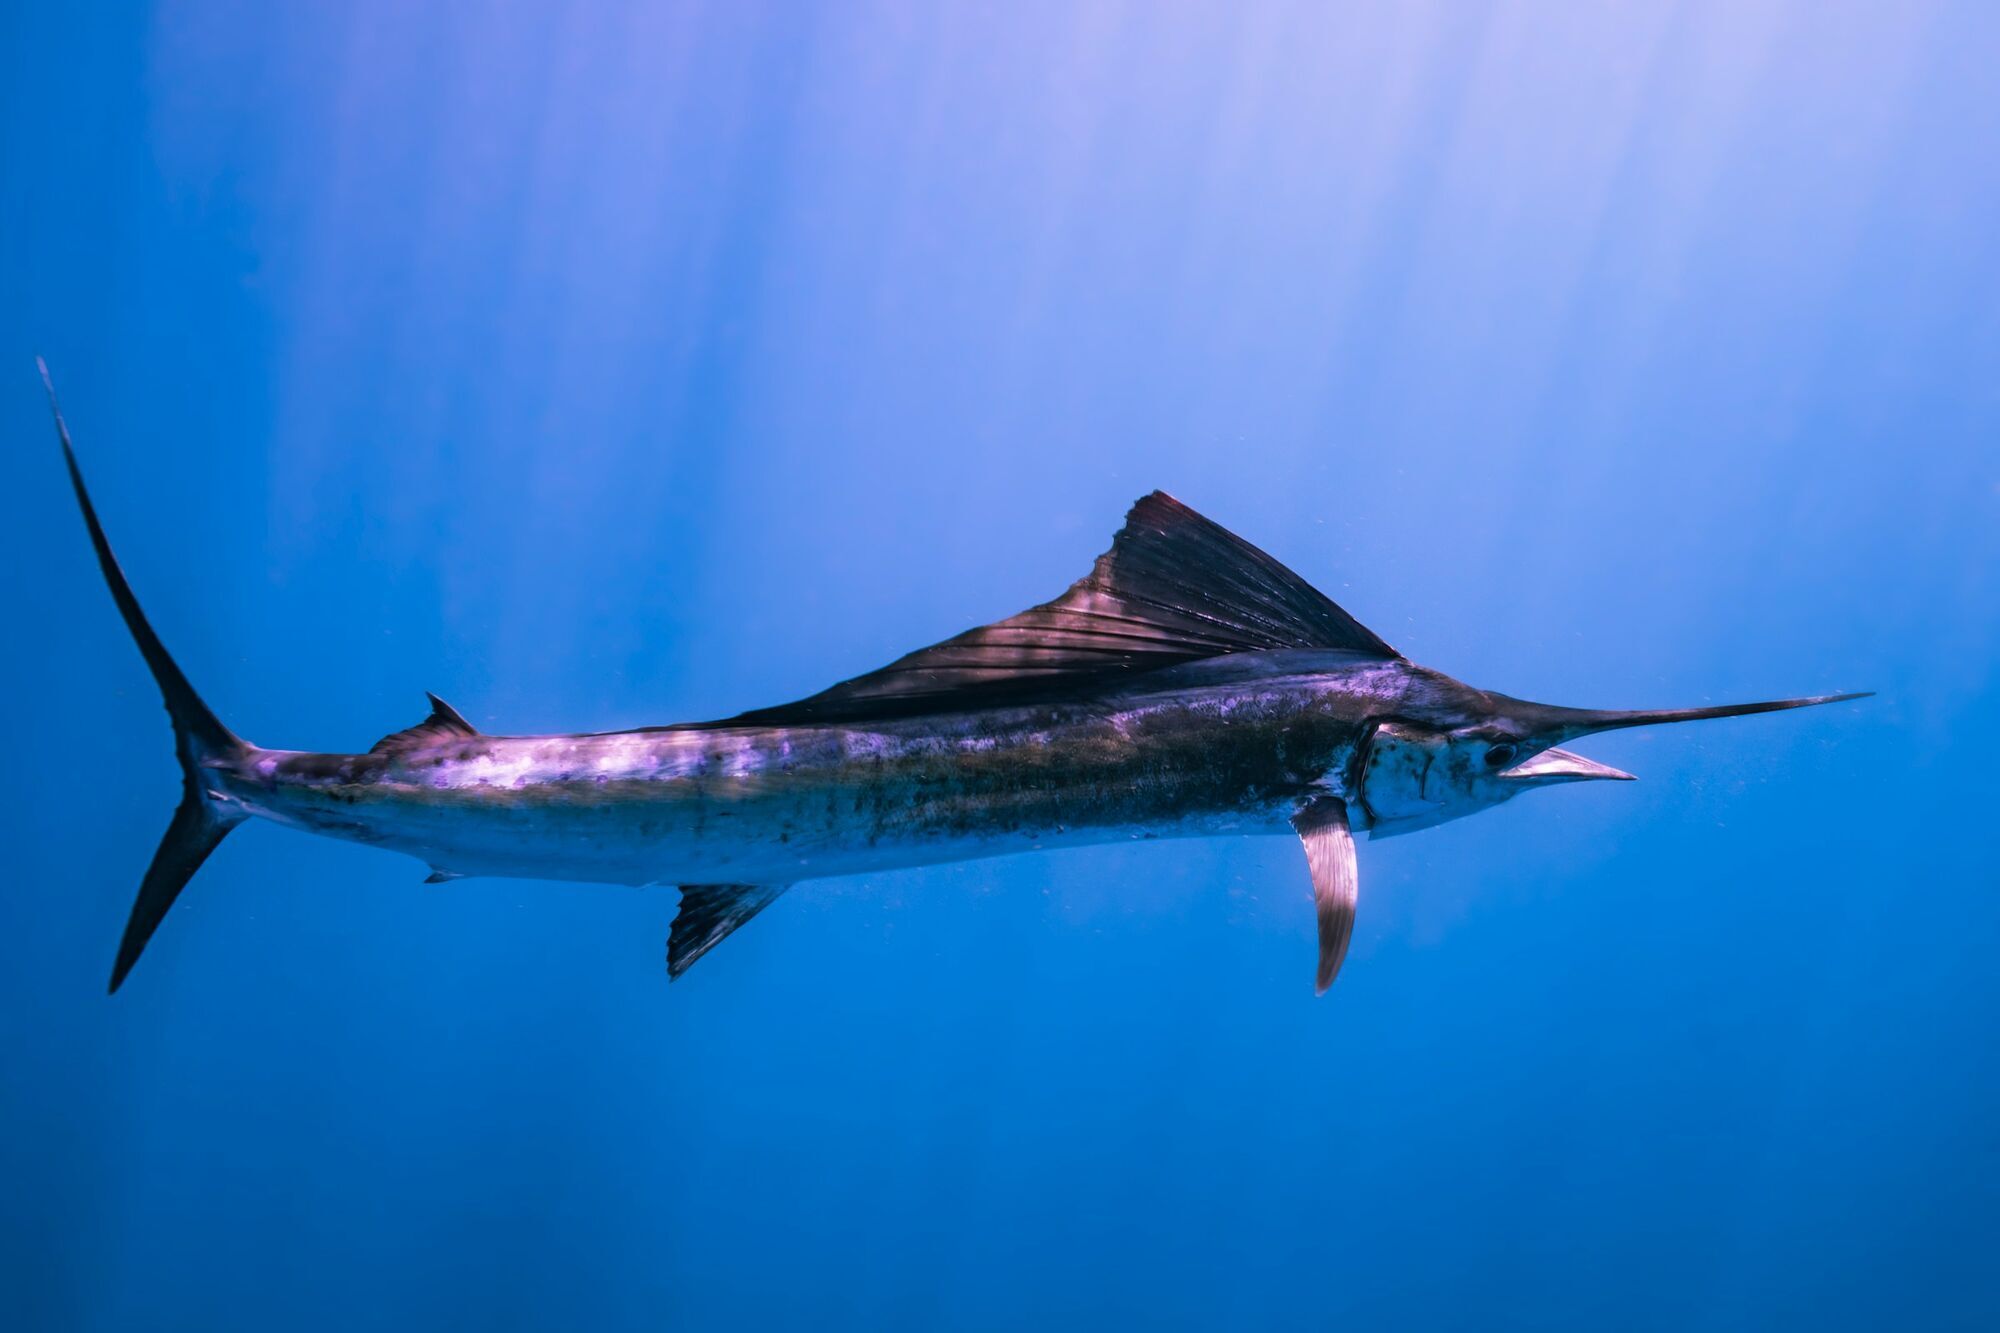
(200, 741)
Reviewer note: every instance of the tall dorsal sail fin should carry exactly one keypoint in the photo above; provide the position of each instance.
(443, 723)
(1173, 588)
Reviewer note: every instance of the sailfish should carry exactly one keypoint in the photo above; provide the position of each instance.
(1188, 685)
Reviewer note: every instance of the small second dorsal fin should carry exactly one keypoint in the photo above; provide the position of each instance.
(444, 722)
(1174, 587)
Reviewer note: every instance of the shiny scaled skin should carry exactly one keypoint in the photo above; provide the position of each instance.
(1237, 744)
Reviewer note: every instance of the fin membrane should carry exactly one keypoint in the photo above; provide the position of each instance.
(200, 823)
(1173, 588)
(197, 829)
(443, 723)
(709, 912)
(1322, 827)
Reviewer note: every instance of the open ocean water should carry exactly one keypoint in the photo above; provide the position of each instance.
(610, 364)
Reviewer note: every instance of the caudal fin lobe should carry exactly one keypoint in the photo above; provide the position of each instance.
(200, 739)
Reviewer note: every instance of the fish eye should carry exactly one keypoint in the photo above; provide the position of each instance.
(1501, 755)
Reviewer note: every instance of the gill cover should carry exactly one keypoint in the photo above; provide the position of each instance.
(1397, 791)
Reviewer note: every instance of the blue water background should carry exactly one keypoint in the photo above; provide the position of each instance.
(607, 365)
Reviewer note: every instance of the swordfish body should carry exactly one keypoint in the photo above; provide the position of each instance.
(1188, 685)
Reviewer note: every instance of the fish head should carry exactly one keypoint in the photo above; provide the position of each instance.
(1418, 774)
(1416, 777)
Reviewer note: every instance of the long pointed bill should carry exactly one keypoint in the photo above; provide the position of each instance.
(1561, 766)
(1569, 723)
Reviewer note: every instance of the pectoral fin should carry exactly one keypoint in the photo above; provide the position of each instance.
(1322, 827)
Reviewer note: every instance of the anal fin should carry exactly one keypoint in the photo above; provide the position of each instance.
(709, 913)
